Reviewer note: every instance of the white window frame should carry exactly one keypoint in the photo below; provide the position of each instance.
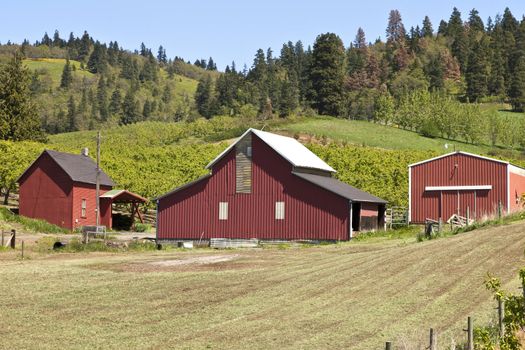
(279, 210)
(223, 211)
(83, 208)
(249, 151)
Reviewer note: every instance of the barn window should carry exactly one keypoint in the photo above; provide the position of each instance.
(279, 210)
(84, 208)
(223, 210)
(243, 165)
(249, 151)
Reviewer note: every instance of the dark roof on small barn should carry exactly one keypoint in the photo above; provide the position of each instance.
(78, 167)
(340, 188)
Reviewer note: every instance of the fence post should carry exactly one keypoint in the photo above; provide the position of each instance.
(501, 315)
(499, 210)
(432, 341)
(22, 249)
(440, 224)
(470, 334)
(2, 238)
(13, 239)
(388, 345)
(468, 215)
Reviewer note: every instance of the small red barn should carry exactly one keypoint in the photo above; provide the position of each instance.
(267, 186)
(61, 189)
(458, 182)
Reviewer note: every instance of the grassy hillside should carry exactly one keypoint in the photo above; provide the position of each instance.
(53, 67)
(353, 295)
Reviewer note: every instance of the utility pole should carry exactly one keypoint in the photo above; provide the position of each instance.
(98, 181)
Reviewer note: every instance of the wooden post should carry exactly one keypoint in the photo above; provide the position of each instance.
(2, 238)
(468, 215)
(22, 249)
(13, 239)
(440, 225)
(388, 345)
(470, 334)
(432, 340)
(499, 210)
(501, 315)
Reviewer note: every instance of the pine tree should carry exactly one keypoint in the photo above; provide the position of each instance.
(115, 105)
(130, 109)
(327, 74)
(478, 71)
(475, 22)
(427, 30)
(517, 87)
(18, 115)
(102, 99)
(67, 76)
(72, 115)
(84, 47)
(97, 62)
(395, 31)
(204, 98)
(161, 55)
(146, 110)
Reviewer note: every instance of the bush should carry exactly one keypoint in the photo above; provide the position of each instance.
(139, 227)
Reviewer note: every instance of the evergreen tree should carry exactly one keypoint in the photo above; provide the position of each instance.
(204, 98)
(427, 30)
(517, 88)
(395, 31)
(478, 71)
(130, 109)
(67, 76)
(327, 74)
(443, 27)
(84, 47)
(161, 55)
(211, 65)
(72, 115)
(18, 115)
(102, 99)
(146, 110)
(97, 62)
(115, 105)
(475, 22)
(46, 40)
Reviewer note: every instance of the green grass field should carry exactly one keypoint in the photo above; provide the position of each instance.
(55, 66)
(352, 295)
(374, 135)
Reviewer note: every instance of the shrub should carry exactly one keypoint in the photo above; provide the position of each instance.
(139, 227)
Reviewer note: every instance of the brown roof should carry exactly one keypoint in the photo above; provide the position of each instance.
(78, 167)
(340, 188)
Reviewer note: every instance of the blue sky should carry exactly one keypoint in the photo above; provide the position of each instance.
(226, 30)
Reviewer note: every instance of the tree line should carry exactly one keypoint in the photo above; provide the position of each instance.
(468, 59)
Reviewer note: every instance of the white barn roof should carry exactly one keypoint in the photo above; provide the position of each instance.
(289, 148)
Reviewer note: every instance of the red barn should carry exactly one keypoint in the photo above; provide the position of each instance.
(458, 182)
(61, 189)
(267, 186)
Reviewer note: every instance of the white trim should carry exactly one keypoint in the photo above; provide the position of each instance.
(516, 170)
(458, 152)
(458, 188)
(351, 216)
(409, 194)
(508, 188)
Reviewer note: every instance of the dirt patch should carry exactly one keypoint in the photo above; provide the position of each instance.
(193, 263)
(197, 260)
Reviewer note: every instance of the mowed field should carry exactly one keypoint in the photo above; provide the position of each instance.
(352, 295)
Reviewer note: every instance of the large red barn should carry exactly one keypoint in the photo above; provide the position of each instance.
(269, 187)
(61, 189)
(458, 182)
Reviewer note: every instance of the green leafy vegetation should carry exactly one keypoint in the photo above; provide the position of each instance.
(33, 225)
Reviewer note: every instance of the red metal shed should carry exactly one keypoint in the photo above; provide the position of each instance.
(458, 182)
(267, 186)
(60, 188)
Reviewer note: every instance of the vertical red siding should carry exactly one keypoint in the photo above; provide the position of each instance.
(46, 193)
(310, 212)
(470, 171)
(517, 189)
(87, 192)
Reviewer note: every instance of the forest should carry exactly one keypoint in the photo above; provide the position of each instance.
(464, 60)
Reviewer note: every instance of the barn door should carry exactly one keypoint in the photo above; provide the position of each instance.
(448, 204)
(467, 203)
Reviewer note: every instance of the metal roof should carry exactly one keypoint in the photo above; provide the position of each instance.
(78, 167)
(458, 152)
(125, 195)
(289, 148)
(340, 188)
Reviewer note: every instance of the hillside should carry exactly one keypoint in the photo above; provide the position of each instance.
(353, 295)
